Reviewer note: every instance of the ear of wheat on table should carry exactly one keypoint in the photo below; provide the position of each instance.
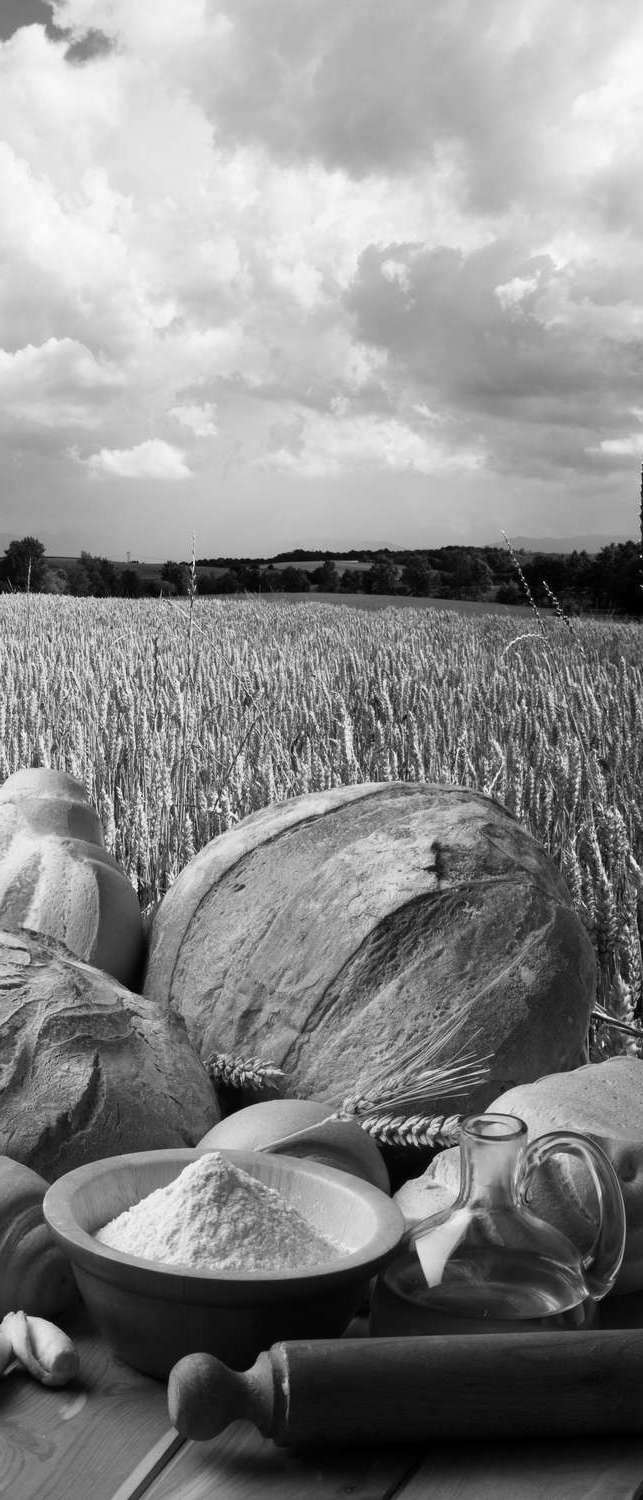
(396, 1106)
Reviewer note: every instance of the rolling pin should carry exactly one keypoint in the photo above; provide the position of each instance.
(388, 1390)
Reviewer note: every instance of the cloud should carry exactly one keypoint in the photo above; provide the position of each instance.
(185, 262)
(59, 384)
(539, 354)
(621, 447)
(198, 419)
(517, 101)
(341, 240)
(153, 459)
(315, 445)
(515, 292)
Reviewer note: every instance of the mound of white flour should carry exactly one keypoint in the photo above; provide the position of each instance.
(214, 1216)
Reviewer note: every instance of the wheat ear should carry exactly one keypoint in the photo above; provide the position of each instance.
(243, 1072)
(414, 1077)
(419, 1131)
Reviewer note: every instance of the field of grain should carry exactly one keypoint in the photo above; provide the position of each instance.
(180, 718)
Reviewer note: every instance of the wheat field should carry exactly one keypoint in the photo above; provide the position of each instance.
(180, 717)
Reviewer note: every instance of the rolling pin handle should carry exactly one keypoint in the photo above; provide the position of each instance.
(204, 1396)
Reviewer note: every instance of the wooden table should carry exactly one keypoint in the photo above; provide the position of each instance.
(107, 1437)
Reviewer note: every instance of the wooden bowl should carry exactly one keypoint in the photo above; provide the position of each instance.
(153, 1314)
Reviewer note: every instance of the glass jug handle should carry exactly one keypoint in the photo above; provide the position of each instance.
(601, 1263)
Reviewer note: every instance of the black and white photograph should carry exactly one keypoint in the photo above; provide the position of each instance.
(321, 749)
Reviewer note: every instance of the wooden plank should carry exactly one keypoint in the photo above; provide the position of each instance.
(578, 1470)
(241, 1465)
(138, 1482)
(81, 1442)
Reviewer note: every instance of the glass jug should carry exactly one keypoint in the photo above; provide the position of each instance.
(487, 1264)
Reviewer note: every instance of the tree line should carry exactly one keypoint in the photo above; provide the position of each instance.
(610, 580)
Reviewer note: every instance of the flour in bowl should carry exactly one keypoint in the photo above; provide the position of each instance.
(216, 1217)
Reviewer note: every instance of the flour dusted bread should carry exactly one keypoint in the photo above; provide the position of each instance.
(603, 1101)
(87, 1068)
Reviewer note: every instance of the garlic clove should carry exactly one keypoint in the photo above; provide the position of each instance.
(6, 1350)
(44, 1350)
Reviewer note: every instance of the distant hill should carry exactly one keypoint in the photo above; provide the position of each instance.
(357, 557)
(587, 543)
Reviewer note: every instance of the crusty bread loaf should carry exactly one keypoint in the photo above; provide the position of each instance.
(57, 877)
(603, 1101)
(329, 931)
(87, 1068)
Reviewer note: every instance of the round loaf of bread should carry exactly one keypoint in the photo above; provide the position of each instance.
(87, 1068)
(338, 1143)
(333, 932)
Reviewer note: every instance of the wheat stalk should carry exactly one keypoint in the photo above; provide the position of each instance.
(418, 1131)
(384, 1109)
(600, 1014)
(243, 1072)
(417, 1075)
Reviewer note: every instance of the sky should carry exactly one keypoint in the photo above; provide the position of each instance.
(321, 274)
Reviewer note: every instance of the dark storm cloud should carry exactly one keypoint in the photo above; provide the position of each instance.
(92, 44)
(542, 358)
(15, 13)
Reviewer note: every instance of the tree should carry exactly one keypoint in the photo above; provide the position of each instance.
(352, 581)
(94, 577)
(381, 578)
(418, 577)
(228, 582)
(250, 580)
(54, 581)
(471, 576)
(78, 583)
(551, 568)
(326, 578)
(270, 577)
(294, 580)
(24, 564)
(616, 578)
(206, 582)
(177, 576)
(510, 593)
(580, 578)
(102, 576)
(500, 561)
(130, 583)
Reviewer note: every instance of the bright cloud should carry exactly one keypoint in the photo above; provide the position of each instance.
(514, 292)
(198, 419)
(153, 459)
(318, 446)
(59, 384)
(625, 447)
